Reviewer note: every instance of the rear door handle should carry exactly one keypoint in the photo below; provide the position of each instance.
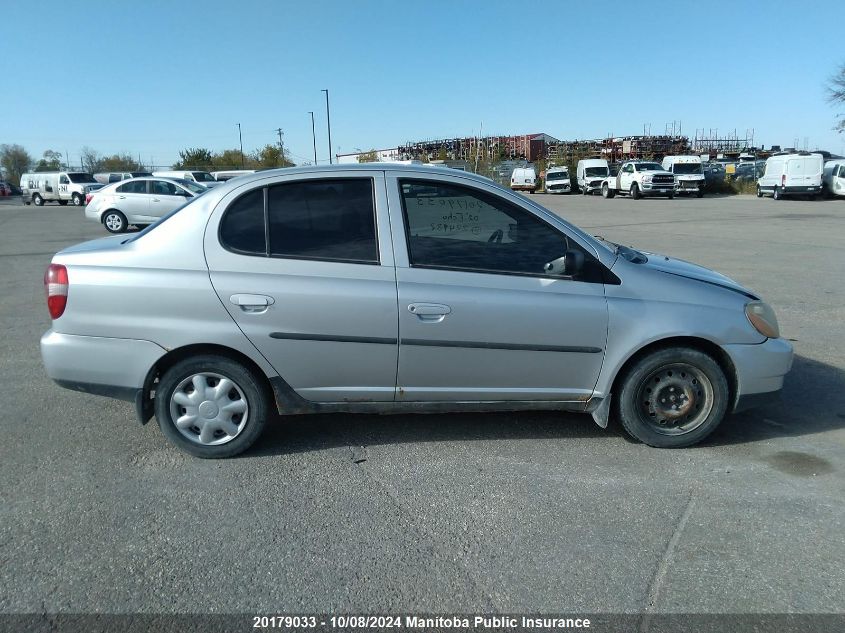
(430, 312)
(252, 303)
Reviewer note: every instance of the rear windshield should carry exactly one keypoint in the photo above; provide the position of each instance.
(80, 178)
(203, 176)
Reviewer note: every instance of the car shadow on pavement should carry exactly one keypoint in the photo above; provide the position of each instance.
(813, 401)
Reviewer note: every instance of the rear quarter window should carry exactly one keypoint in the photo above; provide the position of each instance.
(242, 228)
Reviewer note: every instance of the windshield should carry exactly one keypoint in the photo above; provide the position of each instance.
(191, 186)
(80, 178)
(557, 175)
(687, 168)
(649, 167)
(595, 171)
(203, 176)
(162, 220)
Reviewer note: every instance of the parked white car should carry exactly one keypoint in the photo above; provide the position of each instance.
(639, 178)
(833, 178)
(590, 174)
(558, 180)
(202, 177)
(689, 173)
(57, 186)
(223, 176)
(139, 201)
(792, 174)
(106, 177)
(524, 179)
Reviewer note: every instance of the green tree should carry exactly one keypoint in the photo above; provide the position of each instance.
(14, 160)
(836, 95)
(50, 161)
(120, 162)
(442, 154)
(270, 156)
(368, 157)
(232, 159)
(194, 158)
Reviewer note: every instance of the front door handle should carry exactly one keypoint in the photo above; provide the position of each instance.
(252, 303)
(430, 312)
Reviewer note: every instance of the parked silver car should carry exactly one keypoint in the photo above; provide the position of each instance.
(139, 201)
(388, 288)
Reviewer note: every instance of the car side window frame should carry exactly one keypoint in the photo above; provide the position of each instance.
(266, 208)
(568, 241)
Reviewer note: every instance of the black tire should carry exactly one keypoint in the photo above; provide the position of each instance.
(759, 192)
(63, 202)
(584, 190)
(635, 191)
(671, 196)
(37, 200)
(249, 387)
(776, 194)
(115, 221)
(699, 194)
(688, 374)
(77, 200)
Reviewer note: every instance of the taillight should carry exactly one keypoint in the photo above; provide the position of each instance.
(88, 197)
(783, 180)
(56, 285)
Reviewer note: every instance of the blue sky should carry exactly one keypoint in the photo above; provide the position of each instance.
(154, 77)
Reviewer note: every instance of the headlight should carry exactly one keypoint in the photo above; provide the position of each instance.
(763, 318)
(646, 178)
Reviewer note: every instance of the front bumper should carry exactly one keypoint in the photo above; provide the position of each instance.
(760, 370)
(113, 367)
(657, 189)
(558, 188)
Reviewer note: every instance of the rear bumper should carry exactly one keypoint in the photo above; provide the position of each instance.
(113, 367)
(760, 370)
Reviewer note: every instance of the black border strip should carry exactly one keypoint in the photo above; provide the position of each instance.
(333, 338)
(421, 342)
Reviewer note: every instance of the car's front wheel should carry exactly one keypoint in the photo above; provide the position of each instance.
(635, 191)
(673, 397)
(115, 222)
(211, 406)
(37, 200)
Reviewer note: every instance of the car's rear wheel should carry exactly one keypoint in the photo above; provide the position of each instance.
(635, 191)
(63, 203)
(672, 398)
(77, 200)
(759, 192)
(699, 194)
(114, 221)
(37, 200)
(211, 406)
(777, 194)
(606, 191)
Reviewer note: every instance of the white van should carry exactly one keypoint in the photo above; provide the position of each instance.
(558, 180)
(107, 177)
(223, 176)
(833, 178)
(792, 174)
(202, 177)
(590, 174)
(524, 179)
(689, 172)
(57, 186)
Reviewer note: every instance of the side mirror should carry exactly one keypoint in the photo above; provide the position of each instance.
(570, 264)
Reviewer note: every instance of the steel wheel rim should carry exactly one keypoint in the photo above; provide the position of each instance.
(675, 399)
(114, 222)
(209, 409)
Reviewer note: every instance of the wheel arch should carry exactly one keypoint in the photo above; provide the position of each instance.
(145, 407)
(693, 342)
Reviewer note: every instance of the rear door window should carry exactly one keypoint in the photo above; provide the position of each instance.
(323, 219)
(137, 186)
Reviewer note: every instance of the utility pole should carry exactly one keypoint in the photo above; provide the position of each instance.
(313, 137)
(241, 139)
(281, 144)
(328, 123)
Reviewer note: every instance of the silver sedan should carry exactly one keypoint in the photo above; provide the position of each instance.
(385, 288)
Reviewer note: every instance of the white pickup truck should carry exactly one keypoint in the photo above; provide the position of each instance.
(639, 178)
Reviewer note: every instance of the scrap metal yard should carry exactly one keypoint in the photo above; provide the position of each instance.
(493, 513)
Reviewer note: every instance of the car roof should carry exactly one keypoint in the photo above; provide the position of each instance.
(362, 167)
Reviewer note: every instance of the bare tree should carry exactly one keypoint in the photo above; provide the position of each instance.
(836, 94)
(91, 160)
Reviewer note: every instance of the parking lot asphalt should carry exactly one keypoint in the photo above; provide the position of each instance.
(537, 512)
